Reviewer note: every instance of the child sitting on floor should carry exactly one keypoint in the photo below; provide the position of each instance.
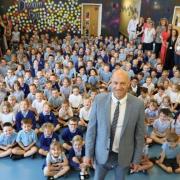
(56, 162)
(48, 116)
(65, 113)
(76, 156)
(47, 138)
(170, 155)
(161, 126)
(26, 140)
(145, 163)
(7, 139)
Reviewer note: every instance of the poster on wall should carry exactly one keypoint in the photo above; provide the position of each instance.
(46, 15)
(127, 9)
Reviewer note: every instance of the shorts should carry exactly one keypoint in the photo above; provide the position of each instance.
(171, 163)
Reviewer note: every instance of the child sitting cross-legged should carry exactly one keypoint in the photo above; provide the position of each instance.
(7, 139)
(65, 113)
(161, 126)
(26, 140)
(76, 156)
(145, 163)
(170, 155)
(56, 164)
(46, 138)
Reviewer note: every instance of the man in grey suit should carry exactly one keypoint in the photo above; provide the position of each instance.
(115, 134)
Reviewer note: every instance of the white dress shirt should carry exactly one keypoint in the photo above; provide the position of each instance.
(122, 108)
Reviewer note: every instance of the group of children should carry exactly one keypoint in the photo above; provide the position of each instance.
(48, 84)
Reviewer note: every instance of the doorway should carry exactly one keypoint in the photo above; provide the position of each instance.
(91, 16)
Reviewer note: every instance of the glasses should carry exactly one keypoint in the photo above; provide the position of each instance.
(73, 124)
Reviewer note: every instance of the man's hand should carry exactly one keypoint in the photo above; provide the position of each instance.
(87, 161)
(135, 167)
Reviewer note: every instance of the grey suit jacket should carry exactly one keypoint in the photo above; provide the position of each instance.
(132, 135)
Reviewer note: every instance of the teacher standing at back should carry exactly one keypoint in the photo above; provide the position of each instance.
(115, 134)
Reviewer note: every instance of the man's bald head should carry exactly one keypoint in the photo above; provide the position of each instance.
(120, 73)
(120, 83)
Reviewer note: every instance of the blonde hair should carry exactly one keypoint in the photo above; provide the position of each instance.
(77, 138)
(47, 126)
(46, 104)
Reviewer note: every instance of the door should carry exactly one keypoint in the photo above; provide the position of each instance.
(91, 19)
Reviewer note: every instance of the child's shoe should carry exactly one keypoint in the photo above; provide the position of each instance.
(50, 178)
(81, 176)
(16, 157)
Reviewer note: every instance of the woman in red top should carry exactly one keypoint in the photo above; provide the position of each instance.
(164, 36)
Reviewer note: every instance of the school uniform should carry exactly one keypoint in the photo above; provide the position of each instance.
(93, 80)
(56, 86)
(26, 138)
(38, 105)
(7, 140)
(56, 101)
(7, 117)
(84, 114)
(66, 115)
(54, 160)
(151, 114)
(25, 89)
(31, 97)
(24, 115)
(28, 80)
(67, 135)
(171, 155)
(105, 76)
(19, 95)
(45, 141)
(75, 153)
(65, 91)
(161, 126)
(47, 117)
(75, 100)
(10, 80)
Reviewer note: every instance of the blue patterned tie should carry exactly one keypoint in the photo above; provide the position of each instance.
(114, 124)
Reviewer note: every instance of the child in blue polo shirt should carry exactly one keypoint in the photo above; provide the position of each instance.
(69, 132)
(26, 140)
(48, 116)
(170, 154)
(7, 139)
(161, 126)
(47, 138)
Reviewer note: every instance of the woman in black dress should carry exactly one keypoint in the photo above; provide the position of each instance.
(169, 61)
(139, 30)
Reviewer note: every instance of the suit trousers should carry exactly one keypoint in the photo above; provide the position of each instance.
(111, 164)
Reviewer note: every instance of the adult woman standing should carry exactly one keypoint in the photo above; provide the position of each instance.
(164, 36)
(139, 30)
(149, 34)
(158, 41)
(169, 60)
(177, 52)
